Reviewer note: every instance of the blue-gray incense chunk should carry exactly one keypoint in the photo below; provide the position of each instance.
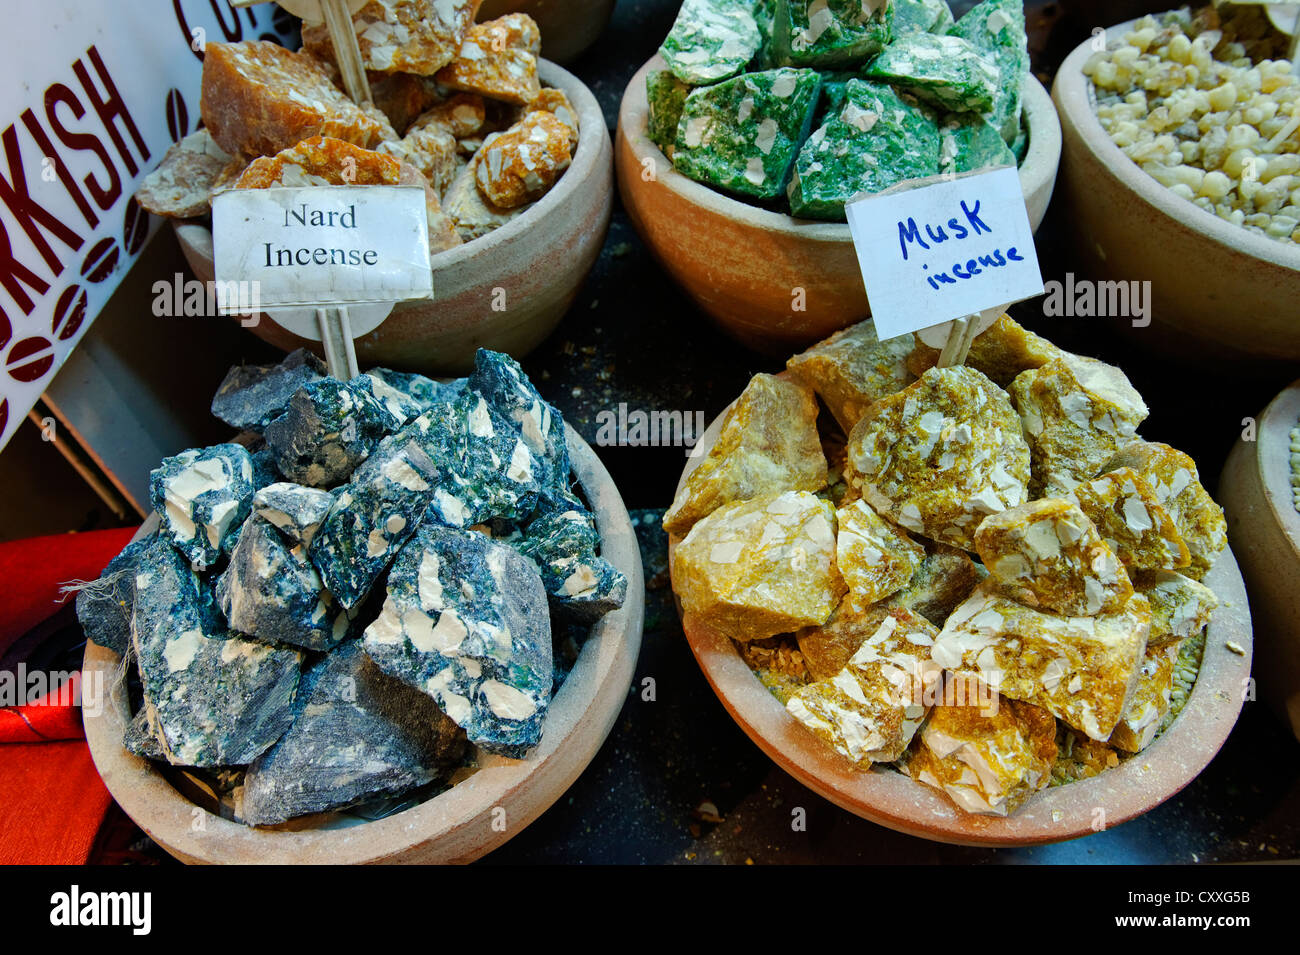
(359, 734)
(252, 396)
(214, 698)
(201, 497)
(465, 620)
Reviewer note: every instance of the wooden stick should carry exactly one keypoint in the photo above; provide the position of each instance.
(347, 52)
(963, 333)
(336, 340)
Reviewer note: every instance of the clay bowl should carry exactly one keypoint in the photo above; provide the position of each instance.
(893, 800)
(454, 827)
(540, 258)
(1264, 528)
(1218, 291)
(568, 27)
(741, 263)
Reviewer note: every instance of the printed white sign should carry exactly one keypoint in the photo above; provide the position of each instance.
(338, 245)
(94, 92)
(939, 249)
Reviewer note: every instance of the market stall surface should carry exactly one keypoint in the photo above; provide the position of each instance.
(678, 781)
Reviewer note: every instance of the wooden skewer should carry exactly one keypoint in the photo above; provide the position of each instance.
(337, 15)
(963, 334)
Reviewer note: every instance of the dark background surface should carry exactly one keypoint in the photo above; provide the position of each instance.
(633, 336)
(672, 768)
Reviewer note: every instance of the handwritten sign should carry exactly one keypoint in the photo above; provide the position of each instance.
(319, 245)
(935, 250)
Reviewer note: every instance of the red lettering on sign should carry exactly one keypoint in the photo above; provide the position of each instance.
(13, 275)
(111, 107)
(105, 196)
(27, 212)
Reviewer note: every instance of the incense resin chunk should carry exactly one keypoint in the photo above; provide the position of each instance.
(1134, 524)
(295, 511)
(941, 455)
(852, 370)
(1048, 554)
(666, 96)
(877, 139)
(201, 495)
(181, 187)
(359, 734)
(258, 98)
(1081, 669)
(521, 165)
(252, 396)
(944, 71)
(830, 33)
(465, 621)
(1173, 477)
(104, 605)
(828, 649)
(743, 134)
(997, 27)
(563, 542)
(271, 591)
(213, 698)
(1076, 412)
(328, 429)
(875, 558)
(494, 61)
(402, 36)
(472, 215)
(1150, 702)
(988, 759)
(761, 567)
(968, 143)
(944, 580)
(1180, 606)
(926, 16)
(1002, 351)
(768, 444)
(871, 709)
(711, 40)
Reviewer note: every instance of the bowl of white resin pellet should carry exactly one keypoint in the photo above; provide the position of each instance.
(1211, 289)
(506, 290)
(479, 812)
(1258, 493)
(776, 283)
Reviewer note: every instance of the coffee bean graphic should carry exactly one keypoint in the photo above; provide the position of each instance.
(4, 414)
(6, 330)
(30, 359)
(178, 115)
(69, 312)
(100, 261)
(135, 227)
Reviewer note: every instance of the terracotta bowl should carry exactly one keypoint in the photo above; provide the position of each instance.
(741, 263)
(568, 27)
(1264, 528)
(893, 800)
(540, 258)
(454, 827)
(1218, 291)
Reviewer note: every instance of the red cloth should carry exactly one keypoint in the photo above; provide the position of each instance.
(51, 803)
(54, 716)
(33, 572)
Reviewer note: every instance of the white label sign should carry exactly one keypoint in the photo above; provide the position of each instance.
(935, 250)
(321, 245)
(94, 92)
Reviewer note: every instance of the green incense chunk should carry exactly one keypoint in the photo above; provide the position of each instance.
(831, 33)
(711, 40)
(947, 71)
(875, 141)
(666, 95)
(921, 16)
(997, 27)
(967, 143)
(742, 135)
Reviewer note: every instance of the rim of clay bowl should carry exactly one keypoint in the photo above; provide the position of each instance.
(1073, 94)
(591, 126)
(453, 826)
(1038, 169)
(890, 799)
(1273, 458)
